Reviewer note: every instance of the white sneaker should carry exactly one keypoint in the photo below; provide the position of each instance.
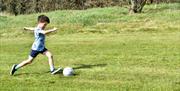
(57, 71)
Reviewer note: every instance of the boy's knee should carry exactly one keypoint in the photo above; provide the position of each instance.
(49, 55)
(29, 61)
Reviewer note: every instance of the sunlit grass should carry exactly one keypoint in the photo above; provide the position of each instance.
(109, 49)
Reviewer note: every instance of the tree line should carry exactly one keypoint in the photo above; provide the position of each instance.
(33, 6)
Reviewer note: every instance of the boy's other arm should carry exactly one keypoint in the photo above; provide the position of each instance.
(48, 31)
(29, 28)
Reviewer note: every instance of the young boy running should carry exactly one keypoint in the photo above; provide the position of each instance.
(39, 46)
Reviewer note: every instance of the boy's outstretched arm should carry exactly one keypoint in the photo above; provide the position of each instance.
(49, 31)
(29, 28)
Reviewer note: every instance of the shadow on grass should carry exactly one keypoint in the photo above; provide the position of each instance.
(88, 66)
(33, 73)
(80, 66)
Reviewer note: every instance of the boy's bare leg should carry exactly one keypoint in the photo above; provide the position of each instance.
(15, 67)
(50, 60)
(51, 63)
(25, 62)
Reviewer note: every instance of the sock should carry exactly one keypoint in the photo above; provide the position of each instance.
(17, 67)
(52, 68)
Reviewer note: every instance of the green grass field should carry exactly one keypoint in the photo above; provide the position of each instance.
(109, 49)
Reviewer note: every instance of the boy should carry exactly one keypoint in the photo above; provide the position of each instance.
(39, 46)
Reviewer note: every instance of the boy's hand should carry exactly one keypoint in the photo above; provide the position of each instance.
(49, 31)
(54, 29)
(29, 28)
(25, 28)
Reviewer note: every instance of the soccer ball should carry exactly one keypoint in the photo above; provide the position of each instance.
(68, 71)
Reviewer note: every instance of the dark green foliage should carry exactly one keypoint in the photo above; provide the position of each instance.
(2, 5)
(33, 6)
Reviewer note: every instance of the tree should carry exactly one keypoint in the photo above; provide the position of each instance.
(151, 1)
(137, 6)
(2, 5)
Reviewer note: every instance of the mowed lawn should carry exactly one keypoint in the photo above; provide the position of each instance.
(115, 51)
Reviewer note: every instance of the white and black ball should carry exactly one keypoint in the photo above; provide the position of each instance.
(68, 71)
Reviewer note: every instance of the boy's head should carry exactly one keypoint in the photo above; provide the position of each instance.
(43, 21)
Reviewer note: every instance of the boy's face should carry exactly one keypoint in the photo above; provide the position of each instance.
(43, 24)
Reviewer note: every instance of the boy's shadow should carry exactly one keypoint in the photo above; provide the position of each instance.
(80, 66)
(88, 66)
(35, 73)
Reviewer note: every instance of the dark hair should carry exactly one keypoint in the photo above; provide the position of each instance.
(43, 18)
